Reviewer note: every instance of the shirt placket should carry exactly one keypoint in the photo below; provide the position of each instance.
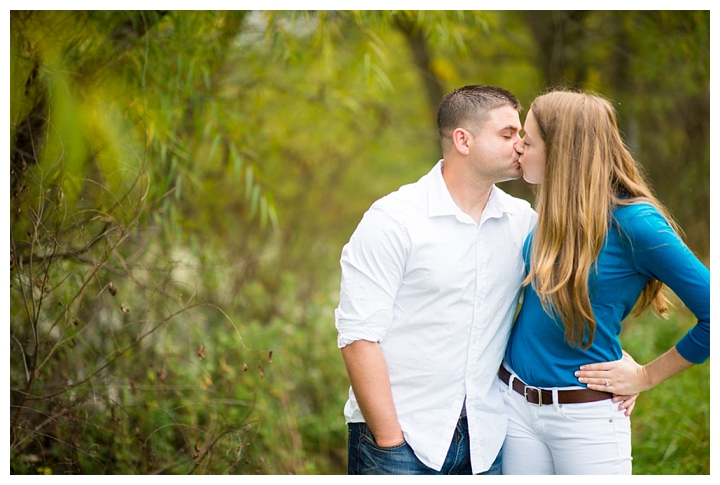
(475, 365)
(479, 308)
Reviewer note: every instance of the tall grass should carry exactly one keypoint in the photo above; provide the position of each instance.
(670, 423)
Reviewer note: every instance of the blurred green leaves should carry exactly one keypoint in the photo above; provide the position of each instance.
(211, 164)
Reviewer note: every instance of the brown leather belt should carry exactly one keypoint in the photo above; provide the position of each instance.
(537, 396)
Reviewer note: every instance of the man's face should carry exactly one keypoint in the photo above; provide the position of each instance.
(493, 148)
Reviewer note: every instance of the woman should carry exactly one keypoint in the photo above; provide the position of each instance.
(603, 245)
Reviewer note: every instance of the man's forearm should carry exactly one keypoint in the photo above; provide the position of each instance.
(370, 381)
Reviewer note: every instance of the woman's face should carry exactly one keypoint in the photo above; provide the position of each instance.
(532, 151)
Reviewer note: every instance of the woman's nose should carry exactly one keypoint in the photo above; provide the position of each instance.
(518, 146)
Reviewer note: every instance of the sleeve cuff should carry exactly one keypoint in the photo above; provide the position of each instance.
(345, 339)
(691, 349)
(372, 328)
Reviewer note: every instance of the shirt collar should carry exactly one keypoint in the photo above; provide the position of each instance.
(440, 202)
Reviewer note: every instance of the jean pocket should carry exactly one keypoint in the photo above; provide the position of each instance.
(589, 411)
(390, 448)
(367, 436)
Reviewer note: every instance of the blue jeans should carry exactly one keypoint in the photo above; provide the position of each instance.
(367, 458)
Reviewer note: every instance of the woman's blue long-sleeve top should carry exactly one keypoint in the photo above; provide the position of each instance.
(640, 245)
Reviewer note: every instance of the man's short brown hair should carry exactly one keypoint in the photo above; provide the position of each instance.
(469, 107)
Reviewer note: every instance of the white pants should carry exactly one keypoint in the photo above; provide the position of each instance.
(565, 439)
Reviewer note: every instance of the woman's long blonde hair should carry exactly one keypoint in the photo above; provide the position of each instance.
(588, 172)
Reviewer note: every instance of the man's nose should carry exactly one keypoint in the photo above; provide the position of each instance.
(518, 146)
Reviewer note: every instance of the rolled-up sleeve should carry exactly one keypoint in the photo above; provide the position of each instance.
(372, 265)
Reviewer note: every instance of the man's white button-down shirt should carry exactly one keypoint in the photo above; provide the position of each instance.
(439, 293)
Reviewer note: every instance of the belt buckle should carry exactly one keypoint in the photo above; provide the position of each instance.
(539, 393)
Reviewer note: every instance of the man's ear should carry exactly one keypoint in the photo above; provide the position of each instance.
(461, 140)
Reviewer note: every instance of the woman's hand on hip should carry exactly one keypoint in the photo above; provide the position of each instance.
(625, 378)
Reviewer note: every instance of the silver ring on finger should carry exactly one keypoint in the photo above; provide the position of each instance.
(607, 384)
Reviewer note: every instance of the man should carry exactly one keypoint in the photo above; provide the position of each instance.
(430, 284)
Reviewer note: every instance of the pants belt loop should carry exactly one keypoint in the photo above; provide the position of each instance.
(556, 404)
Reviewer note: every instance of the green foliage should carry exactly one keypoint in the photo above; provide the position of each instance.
(670, 423)
(182, 184)
(96, 298)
